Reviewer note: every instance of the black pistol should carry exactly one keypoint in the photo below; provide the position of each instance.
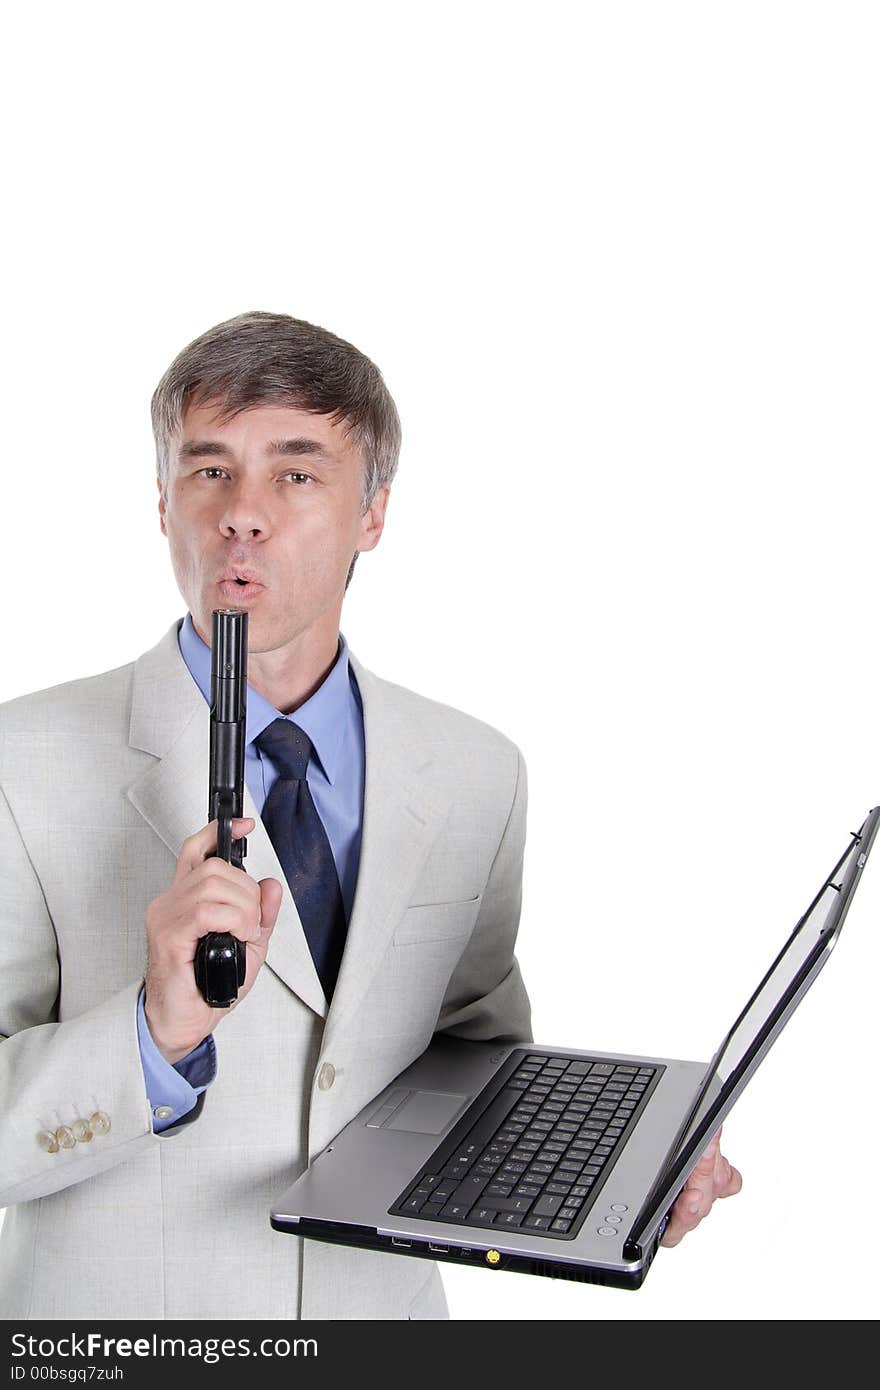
(220, 957)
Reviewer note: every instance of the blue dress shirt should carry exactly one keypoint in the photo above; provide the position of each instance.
(333, 719)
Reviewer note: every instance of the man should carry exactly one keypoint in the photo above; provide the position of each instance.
(145, 1134)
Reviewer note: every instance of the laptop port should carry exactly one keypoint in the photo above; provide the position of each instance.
(438, 1249)
(401, 1244)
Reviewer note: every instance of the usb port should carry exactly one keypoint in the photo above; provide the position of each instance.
(401, 1244)
(438, 1249)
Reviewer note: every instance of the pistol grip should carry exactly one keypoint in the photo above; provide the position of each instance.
(220, 966)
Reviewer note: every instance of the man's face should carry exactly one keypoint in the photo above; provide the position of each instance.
(273, 497)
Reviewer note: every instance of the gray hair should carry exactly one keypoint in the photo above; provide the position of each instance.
(261, 359)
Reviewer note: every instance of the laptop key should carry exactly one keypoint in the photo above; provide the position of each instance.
(547, 1205)
(507, 1204)
(455, 1170)
(537, 1223)
(483, 1215)
(470, 1190)
(455, 1211)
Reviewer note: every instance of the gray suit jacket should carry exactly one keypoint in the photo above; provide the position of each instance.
(101, 780)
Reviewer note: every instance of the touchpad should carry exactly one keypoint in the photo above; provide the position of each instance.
(427, 1112)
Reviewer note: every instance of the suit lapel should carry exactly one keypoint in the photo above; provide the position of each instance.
(170, 719)
(401, 820)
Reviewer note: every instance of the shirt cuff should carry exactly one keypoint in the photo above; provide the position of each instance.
(173, 1090)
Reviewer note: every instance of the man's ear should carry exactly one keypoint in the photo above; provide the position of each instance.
(162, 506)
(373, 520)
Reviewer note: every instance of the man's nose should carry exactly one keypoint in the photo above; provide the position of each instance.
(246, 513)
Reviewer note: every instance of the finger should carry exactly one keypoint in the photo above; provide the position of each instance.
(705, 1169)
(218, 871)
(728, 1180)
(706, 1166)
(222, 917)
(271, 894)
(196, 848)
(681, 1221)
(218, 882)
(674, 1234)
(698, 1195)
(215, 885)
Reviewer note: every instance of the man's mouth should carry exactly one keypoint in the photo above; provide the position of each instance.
(240, 585)
(241, 576)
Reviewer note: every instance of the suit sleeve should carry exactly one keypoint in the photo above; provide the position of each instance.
(58, 1075)
(486, 998)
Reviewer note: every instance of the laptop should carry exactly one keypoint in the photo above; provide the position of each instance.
(545, 1160)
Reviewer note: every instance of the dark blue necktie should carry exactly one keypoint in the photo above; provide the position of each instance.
(300, 840)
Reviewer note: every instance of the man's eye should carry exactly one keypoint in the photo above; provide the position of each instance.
(207, 472)
(298, 477)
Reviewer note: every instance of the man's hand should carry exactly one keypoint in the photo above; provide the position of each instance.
(713, 1177)
(206, 895)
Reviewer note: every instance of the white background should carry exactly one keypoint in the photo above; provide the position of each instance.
(618, 263)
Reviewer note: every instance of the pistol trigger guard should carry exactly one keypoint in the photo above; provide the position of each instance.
(224, 838)
(224, 828)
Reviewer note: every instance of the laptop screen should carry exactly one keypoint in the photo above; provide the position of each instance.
(762, 1019)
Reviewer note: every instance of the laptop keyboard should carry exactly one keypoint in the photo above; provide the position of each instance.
(540, 1151)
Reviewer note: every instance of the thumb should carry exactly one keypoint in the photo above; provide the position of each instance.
(706, 1166)
(270, 902)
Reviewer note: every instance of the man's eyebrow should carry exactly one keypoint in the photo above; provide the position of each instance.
(203, 448)
(285, 448)
(296, 448)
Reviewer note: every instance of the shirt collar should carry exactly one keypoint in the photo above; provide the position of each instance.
(322, 716)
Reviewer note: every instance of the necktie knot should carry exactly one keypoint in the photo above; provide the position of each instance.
(287, 746)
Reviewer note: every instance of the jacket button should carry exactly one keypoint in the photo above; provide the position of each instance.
(81, 1132)
(64, 1135)
(47, 1141)
(163, 1112)
(99, 1123)
(326, 1076)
